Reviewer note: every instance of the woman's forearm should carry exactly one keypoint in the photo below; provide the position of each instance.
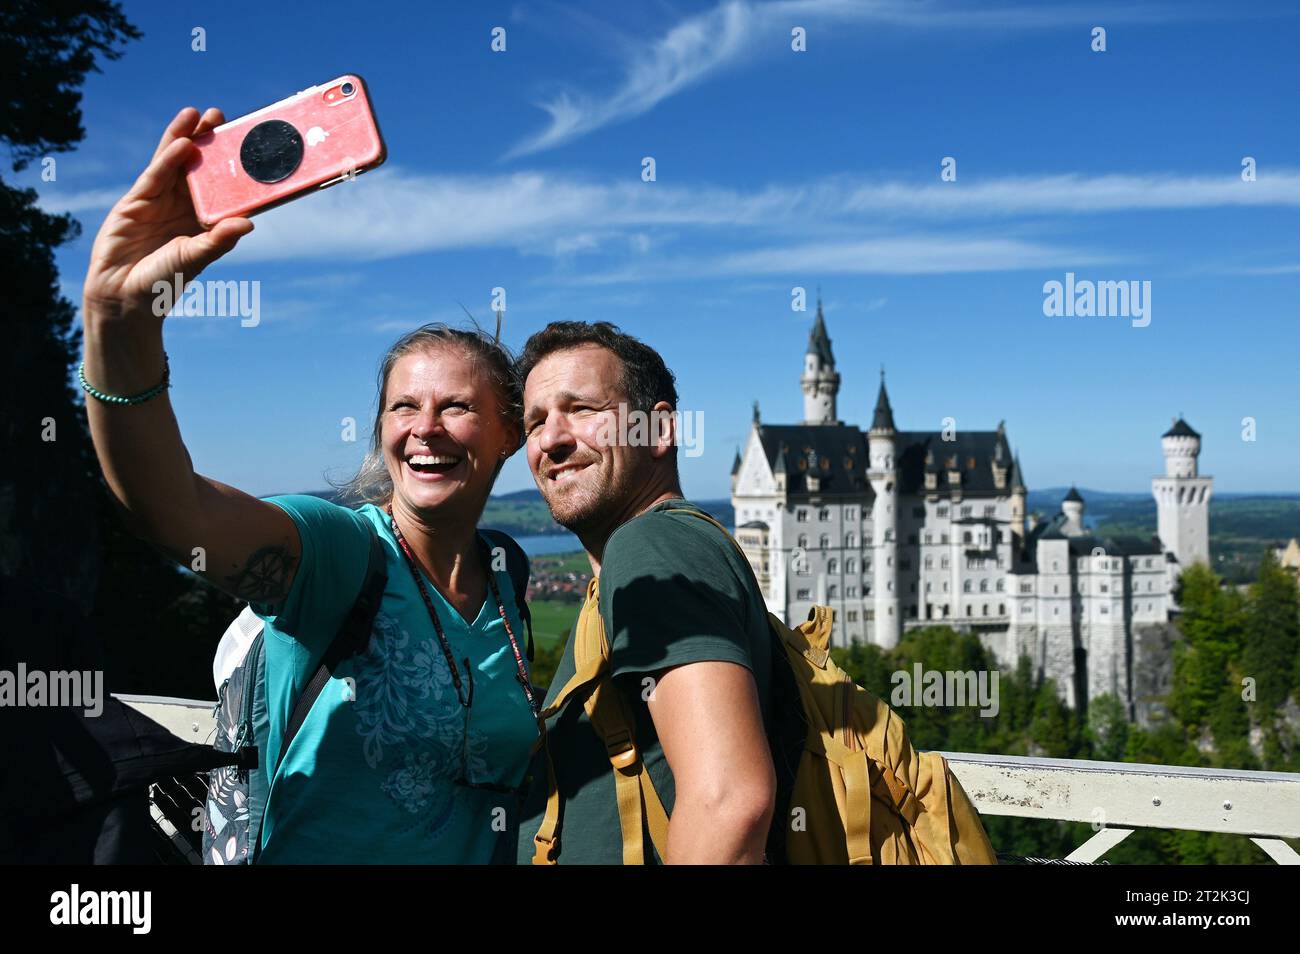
(139, 446)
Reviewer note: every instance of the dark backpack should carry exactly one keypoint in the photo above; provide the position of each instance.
(237, 794)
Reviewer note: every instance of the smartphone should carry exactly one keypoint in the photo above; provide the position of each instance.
(312, 140)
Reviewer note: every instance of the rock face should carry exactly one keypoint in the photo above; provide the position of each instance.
(1153, 669)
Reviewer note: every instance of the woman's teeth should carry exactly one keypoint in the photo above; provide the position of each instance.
(432, 463)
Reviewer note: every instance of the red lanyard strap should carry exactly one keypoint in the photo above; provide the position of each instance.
(522, 670)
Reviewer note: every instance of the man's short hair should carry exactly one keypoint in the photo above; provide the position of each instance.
(646, 380)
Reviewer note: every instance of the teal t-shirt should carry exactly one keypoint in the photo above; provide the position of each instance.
(372, 774)
(673, 590)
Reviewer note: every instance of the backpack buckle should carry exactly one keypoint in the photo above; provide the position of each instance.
(622, 752)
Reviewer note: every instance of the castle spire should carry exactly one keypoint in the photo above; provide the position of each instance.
(884, 416)
(820, 381)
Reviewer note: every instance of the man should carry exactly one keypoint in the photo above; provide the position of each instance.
(687, 627)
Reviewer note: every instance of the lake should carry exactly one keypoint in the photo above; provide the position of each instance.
(549, 543)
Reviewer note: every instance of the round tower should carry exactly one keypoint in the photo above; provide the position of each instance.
(881, 452)
(820, 381)
(1183, 498)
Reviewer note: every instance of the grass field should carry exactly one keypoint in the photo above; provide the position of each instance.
(552, 621)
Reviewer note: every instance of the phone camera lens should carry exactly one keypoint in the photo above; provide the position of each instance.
(348, 89)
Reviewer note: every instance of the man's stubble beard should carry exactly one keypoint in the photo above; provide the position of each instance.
(595, 509)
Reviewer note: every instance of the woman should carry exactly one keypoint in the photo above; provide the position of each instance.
(411, 757)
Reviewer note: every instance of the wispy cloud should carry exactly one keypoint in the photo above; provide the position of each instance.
(726, 36)
(862, 227)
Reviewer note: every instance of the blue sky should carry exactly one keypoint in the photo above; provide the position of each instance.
(775, 169)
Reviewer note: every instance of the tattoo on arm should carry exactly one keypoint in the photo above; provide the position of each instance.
(266, 576)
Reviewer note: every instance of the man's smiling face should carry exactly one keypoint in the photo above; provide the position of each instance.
(571, 409)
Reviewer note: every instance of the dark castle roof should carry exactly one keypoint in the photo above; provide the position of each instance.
(839, 457)
(819, 343)
(1074, 496)
(883, 420)
(1180, 429)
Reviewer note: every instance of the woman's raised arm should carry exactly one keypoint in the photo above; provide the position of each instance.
(249, 548)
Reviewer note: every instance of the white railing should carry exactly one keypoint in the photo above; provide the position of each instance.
(1116, 798)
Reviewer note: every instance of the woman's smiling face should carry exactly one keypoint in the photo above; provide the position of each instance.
(443, 434)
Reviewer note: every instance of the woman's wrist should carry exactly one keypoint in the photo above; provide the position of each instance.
(123, 353)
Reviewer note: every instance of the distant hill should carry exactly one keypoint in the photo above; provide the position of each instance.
(1241, 525)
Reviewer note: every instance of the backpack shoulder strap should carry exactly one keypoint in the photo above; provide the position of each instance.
(519, 570)
(352, 638)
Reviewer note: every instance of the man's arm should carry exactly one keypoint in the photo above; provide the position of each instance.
(710, 725)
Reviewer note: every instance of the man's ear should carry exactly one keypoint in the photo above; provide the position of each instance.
(664, 421)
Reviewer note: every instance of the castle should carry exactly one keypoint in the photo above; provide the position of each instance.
(900, 529)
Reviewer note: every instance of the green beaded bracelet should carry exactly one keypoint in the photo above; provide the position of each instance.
(153, 392)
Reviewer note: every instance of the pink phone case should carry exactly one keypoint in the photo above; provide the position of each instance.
(312, 140)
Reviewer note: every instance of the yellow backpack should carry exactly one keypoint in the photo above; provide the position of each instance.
(862, 794)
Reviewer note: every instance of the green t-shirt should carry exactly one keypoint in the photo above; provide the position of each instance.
(673, 590)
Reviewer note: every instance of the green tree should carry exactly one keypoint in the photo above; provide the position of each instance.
(1272, 633)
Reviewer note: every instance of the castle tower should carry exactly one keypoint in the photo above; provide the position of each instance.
(1183, 497)
(1072, 507)
(1019, 500)
(820, 381)
(882, 450)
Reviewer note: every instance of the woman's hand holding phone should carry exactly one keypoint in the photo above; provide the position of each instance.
(152, 233)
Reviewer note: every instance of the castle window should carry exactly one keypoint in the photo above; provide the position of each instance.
(850, 513)
(801, 515)
(866, 590)
(942, 512)
(945, 586)
(965, 537)
(928, 586)
(850, 565)
(1105, 588)
(968, 610)
(929, 537)
(1002, 609)
(1026, 607)
(911, 611)
(801, 594)
(851, 592)
(824, 514)
(853, 616)
(889, 536)
(944, 539)
(984, 586)
(803, 540)
(1104, 609)
(832, 592)
(943, 563)
(967, 586)
(850, 540)
(990, 510)
(929, 563)
(1026, 587)
(984, 610)
(1002, 585)
(825, 540)
(871, 615)
(965, 511)
(832, 565)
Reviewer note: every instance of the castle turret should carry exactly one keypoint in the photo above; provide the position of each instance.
(1183, 497)
(882, 450)
(1072, 507)
(1019, 499)
(820, 381)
